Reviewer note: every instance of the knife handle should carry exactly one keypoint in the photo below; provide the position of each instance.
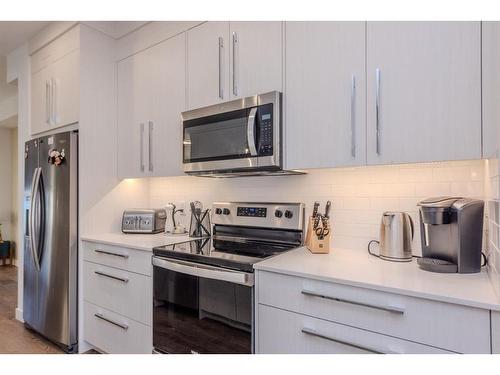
(327, 209)
(315, 209)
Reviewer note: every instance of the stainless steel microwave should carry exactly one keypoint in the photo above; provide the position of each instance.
(240, 137)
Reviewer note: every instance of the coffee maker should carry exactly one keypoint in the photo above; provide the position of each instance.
(451, 230)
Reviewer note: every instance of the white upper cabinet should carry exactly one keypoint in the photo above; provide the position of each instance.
(423, 91)
(491, 88)
(256, 57)
(208, 64)
(151, 97)
(132, 109)
(66, 89)
(325, 94)
(55, 82)
(229, 60)
(169, 100)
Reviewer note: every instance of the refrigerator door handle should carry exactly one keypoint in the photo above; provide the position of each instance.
(34, 191)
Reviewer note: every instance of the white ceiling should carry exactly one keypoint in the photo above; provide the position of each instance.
(15, 33)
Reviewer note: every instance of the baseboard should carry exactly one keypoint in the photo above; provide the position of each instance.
(19, 315)
(84, 346)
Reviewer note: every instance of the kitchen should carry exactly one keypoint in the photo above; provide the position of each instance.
(260, 187)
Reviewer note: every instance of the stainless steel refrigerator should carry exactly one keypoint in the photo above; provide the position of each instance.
(51, 238)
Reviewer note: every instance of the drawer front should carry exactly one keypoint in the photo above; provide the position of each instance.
(115, 334)
(118, 257)
(456, 328)
(281, 331)
(125, 293)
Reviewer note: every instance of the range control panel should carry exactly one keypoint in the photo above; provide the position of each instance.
(252, 211)
(264, 215)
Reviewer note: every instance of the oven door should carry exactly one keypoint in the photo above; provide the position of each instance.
(201, 309)
(238, 135)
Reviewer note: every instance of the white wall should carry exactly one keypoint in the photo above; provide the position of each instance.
(6, 183)
(18, 69)
(14, 217)
(359, 195)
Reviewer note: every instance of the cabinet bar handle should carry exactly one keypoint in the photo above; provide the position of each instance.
(47, 116)
(141, 149)
(377, 108)
(111, 253)
(150, 148)
(314, 333)
(122, 326)
(54, 101)
(122, 279)
(221, 57)
(235, 51)
(353, 116)
(391, 309)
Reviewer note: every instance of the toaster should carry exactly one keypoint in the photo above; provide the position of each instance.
(144, 221)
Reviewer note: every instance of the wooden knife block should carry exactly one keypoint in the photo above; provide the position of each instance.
(313, 243)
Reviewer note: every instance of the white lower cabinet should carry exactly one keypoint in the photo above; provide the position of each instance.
(282, 331)
(113, 333)
(124, 292)
(495, 332)
(117, 299)
(433, 324)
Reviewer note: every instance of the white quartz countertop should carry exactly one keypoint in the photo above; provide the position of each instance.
(144, 242)
(356, 268)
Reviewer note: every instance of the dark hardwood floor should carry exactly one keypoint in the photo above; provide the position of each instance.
(14, 337)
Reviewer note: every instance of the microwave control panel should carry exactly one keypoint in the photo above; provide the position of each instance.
(265, 120)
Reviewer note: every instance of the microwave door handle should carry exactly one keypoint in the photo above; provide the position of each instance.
(251, 131)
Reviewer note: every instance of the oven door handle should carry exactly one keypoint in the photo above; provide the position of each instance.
(202, 270)
(251, 131)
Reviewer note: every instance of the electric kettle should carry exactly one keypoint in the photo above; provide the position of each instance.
(396, 235)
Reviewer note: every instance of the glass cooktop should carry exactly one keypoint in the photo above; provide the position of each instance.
(227, 253)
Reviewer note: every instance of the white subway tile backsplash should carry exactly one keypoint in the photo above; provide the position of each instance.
(359, 195)
(355, 203)
(491, 193)
(385, 204)
(467, 189)
(415, 175)
(409, 204)
(433, 189)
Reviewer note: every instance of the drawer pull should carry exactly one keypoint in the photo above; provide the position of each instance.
(122, 279)
(391, 309)
(122, 326)
(111, 253)
(314, 333)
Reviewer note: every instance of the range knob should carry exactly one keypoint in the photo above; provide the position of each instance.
(226, 211)
(278, 213)
(288, 214)
(218, 211)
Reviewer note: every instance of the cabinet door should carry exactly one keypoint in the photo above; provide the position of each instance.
(256, 57)
(168, 97)
(40, 91)
(325, 94)
(66, 92)
(208, 64)
(132, 116)
(491, 87)
(423, 91)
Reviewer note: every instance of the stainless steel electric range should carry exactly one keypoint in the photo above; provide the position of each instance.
(204, 288)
